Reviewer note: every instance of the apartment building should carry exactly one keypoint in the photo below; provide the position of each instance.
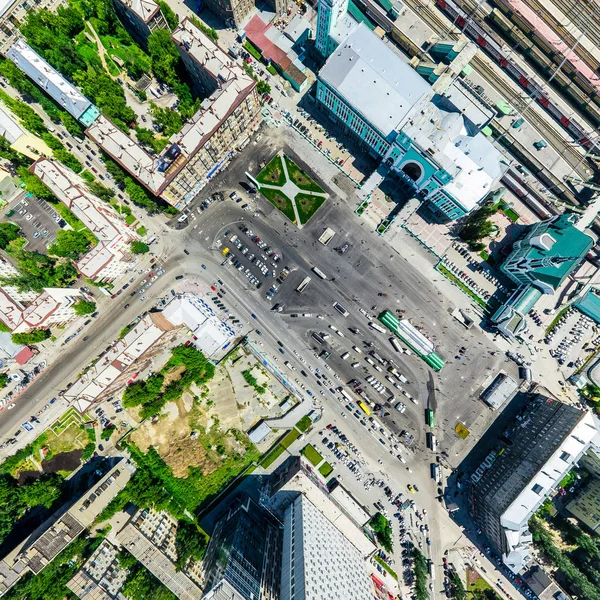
(232, 12)
(19, 138)
(101, 577)
(206, 143)
(586, 506)
(14, 12)
(244, 553)
(318, 560)
(111, 258)
(141, 18)
(150, 537)
(44, 544)
(52, 82)
(546, 440)
(54, 306)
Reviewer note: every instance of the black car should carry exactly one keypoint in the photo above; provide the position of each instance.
(186, 251)
(179, 277)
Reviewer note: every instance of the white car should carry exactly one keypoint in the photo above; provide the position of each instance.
(357, 349)
(10, 406)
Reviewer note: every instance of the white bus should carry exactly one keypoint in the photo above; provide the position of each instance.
(343, 392)
(303, 285)
(319, 273)
(396, 344)
(376, 327)
(340, 309)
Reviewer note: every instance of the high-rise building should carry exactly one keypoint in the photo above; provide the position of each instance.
(513, 481)
(244, 554)
(232, 12)
(142, 16)
(318, 561)
(333, 23)
(14, 12)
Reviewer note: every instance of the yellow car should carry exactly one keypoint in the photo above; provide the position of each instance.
(411, 489)
(224, 251)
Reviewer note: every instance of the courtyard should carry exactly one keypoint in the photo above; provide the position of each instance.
(283, 183)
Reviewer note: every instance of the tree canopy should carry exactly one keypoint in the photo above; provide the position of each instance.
(171, 18)
(383, 530)
(8, 233)
(35, 336)
(190, 543)
(139, 248)
(69, 244)
(84, 307)
(165, 56)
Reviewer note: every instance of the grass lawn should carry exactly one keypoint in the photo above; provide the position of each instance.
(513, 215)
(280, 201)
(386, 567)
(300, 178)
(272, 69)
(270, 457)
(252, 50)
(461, 285)
(313, 457)
(307, 206)
(272, 173)
(304, 423)
(290, 438)
(326, 469)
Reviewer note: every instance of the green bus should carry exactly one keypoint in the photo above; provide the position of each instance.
(429, 417)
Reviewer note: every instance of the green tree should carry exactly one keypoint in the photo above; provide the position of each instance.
(84, 307)
(148, 138)
(421, 574)
(262, 87)
(107, 432)
(35, 336)
(164, 54)
(383, 530)
(478, 225)
(190, 543)
(169, 120)
(70, 244)
(171, 18)
(139, 247)
(104, 193)
(34, 185)
(8, 233)
(457, 588)
(3, 380)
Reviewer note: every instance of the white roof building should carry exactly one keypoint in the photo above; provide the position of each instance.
(420, 135)
(50, 81)
(192, 311)
(9, 128)
(318, 561)
(375, 81)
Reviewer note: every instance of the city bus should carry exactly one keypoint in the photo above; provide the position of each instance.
(319, 273)
(364, 408)
(340, 309)
(435, 471)
(376, 327)
(315, 336)
(303, 285)
(396, 344)
(429, 417)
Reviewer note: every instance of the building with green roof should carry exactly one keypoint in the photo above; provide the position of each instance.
(542, 258)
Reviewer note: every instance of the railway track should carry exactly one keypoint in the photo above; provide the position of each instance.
(520, 101)
(440, 25)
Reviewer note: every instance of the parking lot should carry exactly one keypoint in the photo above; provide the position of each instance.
(38, 221)
(245, 250)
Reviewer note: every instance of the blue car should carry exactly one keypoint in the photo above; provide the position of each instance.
(253, 316)
(281, 350)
